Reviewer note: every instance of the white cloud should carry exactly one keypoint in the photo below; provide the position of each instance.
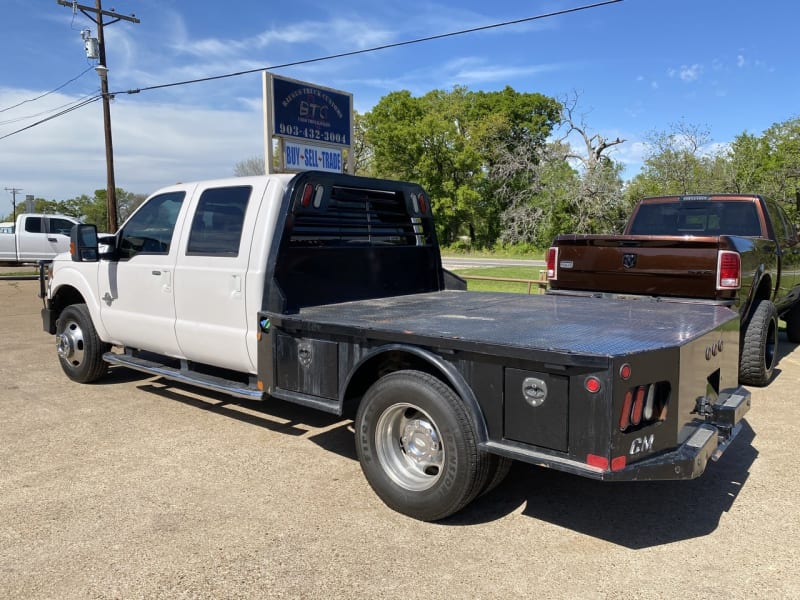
(154, 145)
(488, 73)
(687, 73)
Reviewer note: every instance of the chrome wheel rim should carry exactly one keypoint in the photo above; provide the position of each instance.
(409, 447)
(70, 344)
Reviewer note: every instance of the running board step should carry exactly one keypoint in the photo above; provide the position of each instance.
(209, 382)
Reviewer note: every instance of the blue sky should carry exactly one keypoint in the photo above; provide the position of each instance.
(638, 66)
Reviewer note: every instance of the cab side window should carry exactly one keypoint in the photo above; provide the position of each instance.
(34, 225)
(780, 226)
(61, 226)
(150, 229)
(217, 223)
(788, 226)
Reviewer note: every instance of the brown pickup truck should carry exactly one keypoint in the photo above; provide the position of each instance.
(737, 250)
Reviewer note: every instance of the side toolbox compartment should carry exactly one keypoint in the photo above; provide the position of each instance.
(537, 408)
(306, 365)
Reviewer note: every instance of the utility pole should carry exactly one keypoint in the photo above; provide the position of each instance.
(96, 14)
(13, 191)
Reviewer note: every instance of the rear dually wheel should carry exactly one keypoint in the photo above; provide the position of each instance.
(417, 446)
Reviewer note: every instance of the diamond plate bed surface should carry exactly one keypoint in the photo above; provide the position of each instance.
(594, 326)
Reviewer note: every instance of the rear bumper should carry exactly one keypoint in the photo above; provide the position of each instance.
(708, 442)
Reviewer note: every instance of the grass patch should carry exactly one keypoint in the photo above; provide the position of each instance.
(508, 252)
(477, 285)
(20, 273)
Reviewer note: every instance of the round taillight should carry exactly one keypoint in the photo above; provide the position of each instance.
(625, 371)
(592, 384)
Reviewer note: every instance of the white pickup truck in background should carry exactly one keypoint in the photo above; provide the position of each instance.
(34, 237)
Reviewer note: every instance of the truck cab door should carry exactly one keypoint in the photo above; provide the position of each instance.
(57, 238)
(787, 238)
(137, 305)
(211, 278)
(32, 239)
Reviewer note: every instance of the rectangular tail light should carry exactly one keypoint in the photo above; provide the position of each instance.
(729, 270)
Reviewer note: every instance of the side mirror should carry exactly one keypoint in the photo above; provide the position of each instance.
(83, 243)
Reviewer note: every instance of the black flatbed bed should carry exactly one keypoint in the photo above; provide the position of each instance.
(578, 327)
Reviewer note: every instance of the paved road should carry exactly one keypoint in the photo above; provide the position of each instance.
(137, 488)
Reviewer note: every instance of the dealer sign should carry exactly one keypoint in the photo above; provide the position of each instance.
(302, 157)
(308, 112)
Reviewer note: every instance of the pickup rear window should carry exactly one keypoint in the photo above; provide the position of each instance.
(697, 218)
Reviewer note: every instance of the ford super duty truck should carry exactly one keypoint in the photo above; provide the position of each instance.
(34, 237)
(740, 251)
(328, 291)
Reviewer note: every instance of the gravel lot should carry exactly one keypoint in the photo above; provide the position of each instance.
(138, 488)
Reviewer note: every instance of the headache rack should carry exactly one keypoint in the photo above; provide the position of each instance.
(382, 231)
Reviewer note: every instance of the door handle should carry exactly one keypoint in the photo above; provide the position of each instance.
(52, 239)
(156, 273)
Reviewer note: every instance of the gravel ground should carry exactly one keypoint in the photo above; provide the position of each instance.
(138, 488)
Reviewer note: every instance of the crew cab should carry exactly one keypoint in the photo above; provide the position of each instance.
(34, 237)
(740, 251)
(328, 291)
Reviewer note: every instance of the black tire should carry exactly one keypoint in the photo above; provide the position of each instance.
(80, 350)
(499, 467)
(759, 352)
(793, 324)
(417, 446)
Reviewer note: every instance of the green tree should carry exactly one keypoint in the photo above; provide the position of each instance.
(537, 190)
(680, 162)
(448, 141)
(92, 209)
(769, 164)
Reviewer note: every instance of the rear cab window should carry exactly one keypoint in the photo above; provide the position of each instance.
(217, 223)
(697, 217)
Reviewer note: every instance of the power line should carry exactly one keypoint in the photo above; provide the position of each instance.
(47, 112)
(89, 100)
(47, 93)
(14, 192)
(92, 99)
(375, 48)
(98, 15)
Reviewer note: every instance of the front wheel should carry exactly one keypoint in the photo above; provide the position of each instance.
(80, 350)
(417, 446)
(759, 352)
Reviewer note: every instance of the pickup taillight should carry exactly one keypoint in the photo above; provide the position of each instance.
(729, 270)
(552, 263)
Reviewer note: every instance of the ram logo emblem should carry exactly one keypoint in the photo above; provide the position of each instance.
(629, 260)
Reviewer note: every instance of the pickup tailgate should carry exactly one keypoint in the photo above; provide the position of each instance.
(658, 266)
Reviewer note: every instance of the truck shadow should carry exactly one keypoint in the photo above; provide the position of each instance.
(282, 417)
(631, 514)
(785, 348)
